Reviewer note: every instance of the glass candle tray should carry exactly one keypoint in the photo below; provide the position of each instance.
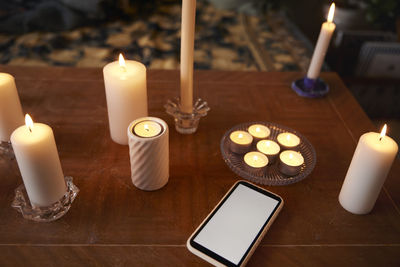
(270, 175)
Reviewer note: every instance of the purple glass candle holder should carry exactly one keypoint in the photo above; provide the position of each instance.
(312, 88)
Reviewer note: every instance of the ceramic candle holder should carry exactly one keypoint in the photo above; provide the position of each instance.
(149, 153)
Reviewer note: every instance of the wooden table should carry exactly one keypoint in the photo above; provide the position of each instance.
(113, 223)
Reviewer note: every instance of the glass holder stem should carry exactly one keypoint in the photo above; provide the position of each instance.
(186, 123)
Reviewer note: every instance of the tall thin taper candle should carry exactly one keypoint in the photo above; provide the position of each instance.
(324, 38)
(187, 47)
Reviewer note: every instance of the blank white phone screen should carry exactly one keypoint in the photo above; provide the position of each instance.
(233, 228)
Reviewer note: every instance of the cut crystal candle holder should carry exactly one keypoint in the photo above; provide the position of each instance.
(45, 214)
(6, 149)
(312, 88)
(186, 123)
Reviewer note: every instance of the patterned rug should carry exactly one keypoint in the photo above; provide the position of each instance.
(225, 40)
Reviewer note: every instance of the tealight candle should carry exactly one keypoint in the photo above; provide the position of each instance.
(270, 148)
(147, 129)
(240, 141)
(288, 140)
(149, 153)
(255, 160)
(11, 116)
(367, 173)
(37, 157)
(259, 131)
(126, 94)
(290, 162)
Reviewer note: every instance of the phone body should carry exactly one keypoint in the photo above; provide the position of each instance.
(229, 235)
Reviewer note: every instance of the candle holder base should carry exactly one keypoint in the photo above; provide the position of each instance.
(186, 123)
(312, 88)
(6, 149)
(45, 214)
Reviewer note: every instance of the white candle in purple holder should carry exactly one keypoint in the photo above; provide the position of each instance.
(321, 47)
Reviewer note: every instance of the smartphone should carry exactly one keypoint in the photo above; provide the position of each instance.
(234, 228)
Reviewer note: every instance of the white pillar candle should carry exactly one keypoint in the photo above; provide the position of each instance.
(290, 162)
(187, 47)
(240, 142)
(126, 93)
(259, 131)
(149, 153)
(367, 173)
(288, 140)
(324, 38)
(255, 160)
(11, 116)
(270, 148)
(36, 153)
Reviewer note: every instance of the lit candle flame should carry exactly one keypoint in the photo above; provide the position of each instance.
(383, 132)
(258, 129)
(146, 127)
(288, 137)
(331, 12)
(290, 156)
(255, 158)
(28, 122)
(240, 135)
(268, 143)
(122, 62)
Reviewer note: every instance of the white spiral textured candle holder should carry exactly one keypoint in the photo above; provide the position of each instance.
(149, 155)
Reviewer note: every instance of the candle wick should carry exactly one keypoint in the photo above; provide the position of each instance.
(30, 129)
(380, 138)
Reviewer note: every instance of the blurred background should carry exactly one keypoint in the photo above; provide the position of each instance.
(246, 35)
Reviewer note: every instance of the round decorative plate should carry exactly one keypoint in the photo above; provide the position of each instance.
(270, 175)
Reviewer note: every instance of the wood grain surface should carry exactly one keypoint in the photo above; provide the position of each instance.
(112, 223)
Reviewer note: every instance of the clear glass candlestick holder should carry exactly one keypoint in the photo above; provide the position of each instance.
(6, 149)
(186, 123)
(49, 213)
